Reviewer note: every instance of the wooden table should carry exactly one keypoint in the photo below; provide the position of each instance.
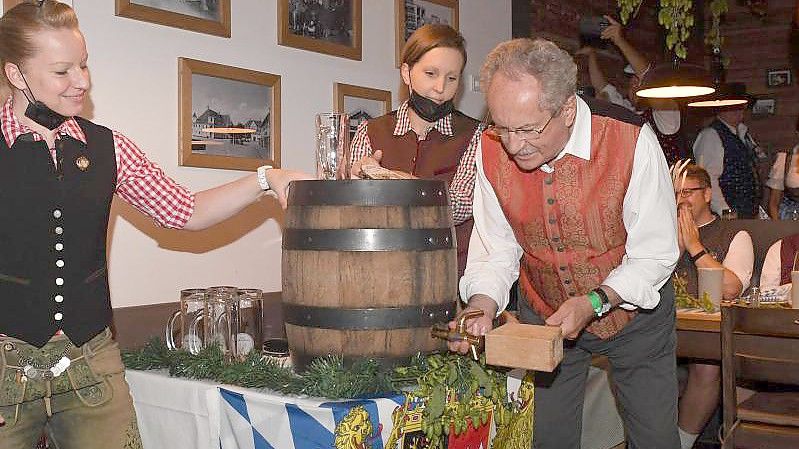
(699, 335)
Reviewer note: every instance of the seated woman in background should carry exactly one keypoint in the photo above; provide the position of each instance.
(426, 136)
(782, 257)
(783, 180)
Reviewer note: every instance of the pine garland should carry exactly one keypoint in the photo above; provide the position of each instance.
(325, 377)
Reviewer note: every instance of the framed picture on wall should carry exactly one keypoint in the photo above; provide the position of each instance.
(8, 4)
(332, 27)
(203, 16)
(412, 14)
(779, 78)
(360, 103)
(229, 117)
(764, 106)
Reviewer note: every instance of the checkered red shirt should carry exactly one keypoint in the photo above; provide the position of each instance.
(462, 186)
(140, 181)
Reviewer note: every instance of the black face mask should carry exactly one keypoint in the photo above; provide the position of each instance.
(39, 112)
(427, 109)
(43, 115)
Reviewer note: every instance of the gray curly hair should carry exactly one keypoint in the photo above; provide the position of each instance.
(552, 66)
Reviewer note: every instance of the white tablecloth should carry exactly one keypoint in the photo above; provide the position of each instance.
(181, 413)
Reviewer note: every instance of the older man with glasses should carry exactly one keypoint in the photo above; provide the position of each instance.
(706, 241)
(574, 198)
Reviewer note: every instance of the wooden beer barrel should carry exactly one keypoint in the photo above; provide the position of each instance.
(368, 267)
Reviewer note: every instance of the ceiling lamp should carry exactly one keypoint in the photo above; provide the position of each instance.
(676, 81)
(727, 94)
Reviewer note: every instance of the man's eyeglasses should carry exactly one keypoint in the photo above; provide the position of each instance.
(504, 133)
(687, 191)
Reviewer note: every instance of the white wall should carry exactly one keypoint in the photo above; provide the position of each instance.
(134, 70)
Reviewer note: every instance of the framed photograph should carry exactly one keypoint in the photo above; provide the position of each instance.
(8, 4)
(779, 78)
(360, 103)
(412, 14)
(229, 117)
(764, 106)
(332, 27)
(203, 16)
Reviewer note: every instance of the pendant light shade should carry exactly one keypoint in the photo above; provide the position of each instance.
(726, 95)
(677, 80)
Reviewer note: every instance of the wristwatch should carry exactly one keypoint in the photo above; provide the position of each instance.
(262, 181)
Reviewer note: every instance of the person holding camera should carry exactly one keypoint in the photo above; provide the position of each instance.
(662, 115)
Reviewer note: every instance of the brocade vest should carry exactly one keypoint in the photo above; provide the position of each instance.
(738, 180)
(569, 223)
(53, 236)
(716, 237)
(789, 250)
(435, 157)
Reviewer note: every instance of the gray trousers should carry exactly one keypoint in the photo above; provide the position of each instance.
(642, 357)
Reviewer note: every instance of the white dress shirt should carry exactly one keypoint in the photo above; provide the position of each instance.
(776, 177)
(649, 215)
(740, 258)
(709, 153)
(667, 120)
(771, 274)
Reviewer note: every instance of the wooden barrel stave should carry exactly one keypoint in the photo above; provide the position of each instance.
(364, 279)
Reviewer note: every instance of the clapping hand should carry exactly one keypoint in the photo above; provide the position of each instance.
(688, 231)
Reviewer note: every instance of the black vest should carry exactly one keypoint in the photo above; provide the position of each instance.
(738, 180)
(716, 237)
(53, 231)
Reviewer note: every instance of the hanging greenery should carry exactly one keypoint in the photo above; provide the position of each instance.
(713, 37)
(628, 9)
(685, 300)
(677, 18)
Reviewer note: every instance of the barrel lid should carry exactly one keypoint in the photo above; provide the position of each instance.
(369, 192)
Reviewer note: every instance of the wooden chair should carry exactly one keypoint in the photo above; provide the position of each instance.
(760, 345)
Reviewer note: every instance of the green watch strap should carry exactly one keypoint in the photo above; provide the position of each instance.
(596, 301)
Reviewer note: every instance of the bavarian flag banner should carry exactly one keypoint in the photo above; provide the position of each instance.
(251, 419)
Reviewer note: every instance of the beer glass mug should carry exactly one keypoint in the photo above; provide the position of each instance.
(192, 307)
(332, 146)
(221, 310)
(248, 325)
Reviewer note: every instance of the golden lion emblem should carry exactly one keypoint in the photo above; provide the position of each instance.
(354, 430)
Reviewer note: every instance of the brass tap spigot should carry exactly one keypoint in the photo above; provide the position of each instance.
(476, 343)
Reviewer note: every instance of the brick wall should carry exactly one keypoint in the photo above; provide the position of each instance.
(753, 46)
(559, 21)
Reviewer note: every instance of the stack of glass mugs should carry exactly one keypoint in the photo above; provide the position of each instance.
(230, 317)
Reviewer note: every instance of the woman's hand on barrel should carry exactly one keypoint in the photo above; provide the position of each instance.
(374, 159)
(477, 326)
(280, 181)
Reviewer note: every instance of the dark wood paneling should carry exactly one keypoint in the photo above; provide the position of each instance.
(753, 46)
